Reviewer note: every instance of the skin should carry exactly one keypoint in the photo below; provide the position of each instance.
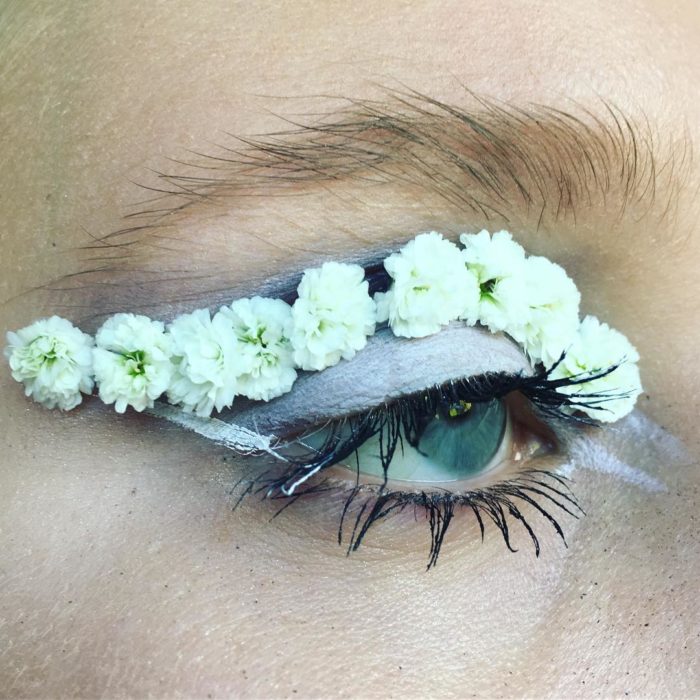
(124, 569)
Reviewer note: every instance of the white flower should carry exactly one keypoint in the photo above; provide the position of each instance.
(551, 319)
(333, 315)
(263, 328)
(498, 263)
(431, 287)
(207, 362)
(132, 361)
(597, 347)
(53, 359)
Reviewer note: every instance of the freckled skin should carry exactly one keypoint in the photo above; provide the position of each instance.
(125, 570)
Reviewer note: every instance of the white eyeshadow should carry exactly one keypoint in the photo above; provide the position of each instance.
(389, 367)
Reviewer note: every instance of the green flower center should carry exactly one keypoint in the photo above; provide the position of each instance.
(136, 362)
(486, 288)
(256, 339)
(45, 350)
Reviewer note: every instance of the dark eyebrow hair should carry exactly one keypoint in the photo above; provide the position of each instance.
(489, 159)
(492, 160)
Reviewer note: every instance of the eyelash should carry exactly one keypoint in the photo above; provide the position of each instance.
(393, 422)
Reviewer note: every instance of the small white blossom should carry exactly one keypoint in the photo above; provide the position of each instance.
(498, 263)
(551, 319)
(597, 347)
(333, 315)
(132, 361)
(263, 328)
(431, 287)
(207, 362)
(53, 359)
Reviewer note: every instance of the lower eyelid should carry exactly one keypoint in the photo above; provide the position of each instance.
(530, 505)
(529, 498)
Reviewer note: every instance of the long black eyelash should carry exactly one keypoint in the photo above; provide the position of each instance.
(494, 503)
(397, 420)
(365, 506)
(501, 504)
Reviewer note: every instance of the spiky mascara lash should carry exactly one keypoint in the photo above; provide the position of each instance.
(547, 494)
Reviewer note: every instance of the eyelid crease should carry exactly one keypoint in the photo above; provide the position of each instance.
(387, 368)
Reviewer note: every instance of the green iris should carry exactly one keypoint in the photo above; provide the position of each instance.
(458, 442)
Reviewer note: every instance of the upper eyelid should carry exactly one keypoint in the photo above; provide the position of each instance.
(387, 368)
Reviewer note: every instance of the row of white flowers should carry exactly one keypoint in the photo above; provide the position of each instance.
(255, 346)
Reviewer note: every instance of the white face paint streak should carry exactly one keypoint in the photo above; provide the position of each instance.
(235, 437)
(589, 454)
(627, 451)
(643, 428)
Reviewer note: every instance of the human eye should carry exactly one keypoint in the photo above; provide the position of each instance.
(452, 384)
(459, 421)
(488, 446)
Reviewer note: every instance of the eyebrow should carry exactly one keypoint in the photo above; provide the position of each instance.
(489, 159)
(492, 160)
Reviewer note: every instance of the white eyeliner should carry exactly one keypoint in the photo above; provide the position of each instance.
(235, 437)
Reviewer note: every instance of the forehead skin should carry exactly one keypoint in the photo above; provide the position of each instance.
(124, 570)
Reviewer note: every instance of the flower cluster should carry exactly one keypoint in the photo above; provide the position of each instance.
(263, 328)
(333, 315)
(53, 359)
(206, 361)
(598, 350)
(132, 361)
(255, 346)
(498, 263)
(491, 282)
(201, 362)
(431, 287)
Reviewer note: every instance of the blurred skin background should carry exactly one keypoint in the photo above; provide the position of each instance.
(124, 570)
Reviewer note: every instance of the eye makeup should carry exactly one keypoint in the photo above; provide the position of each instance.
(424, 376)
(522, 488)
(388, 368)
